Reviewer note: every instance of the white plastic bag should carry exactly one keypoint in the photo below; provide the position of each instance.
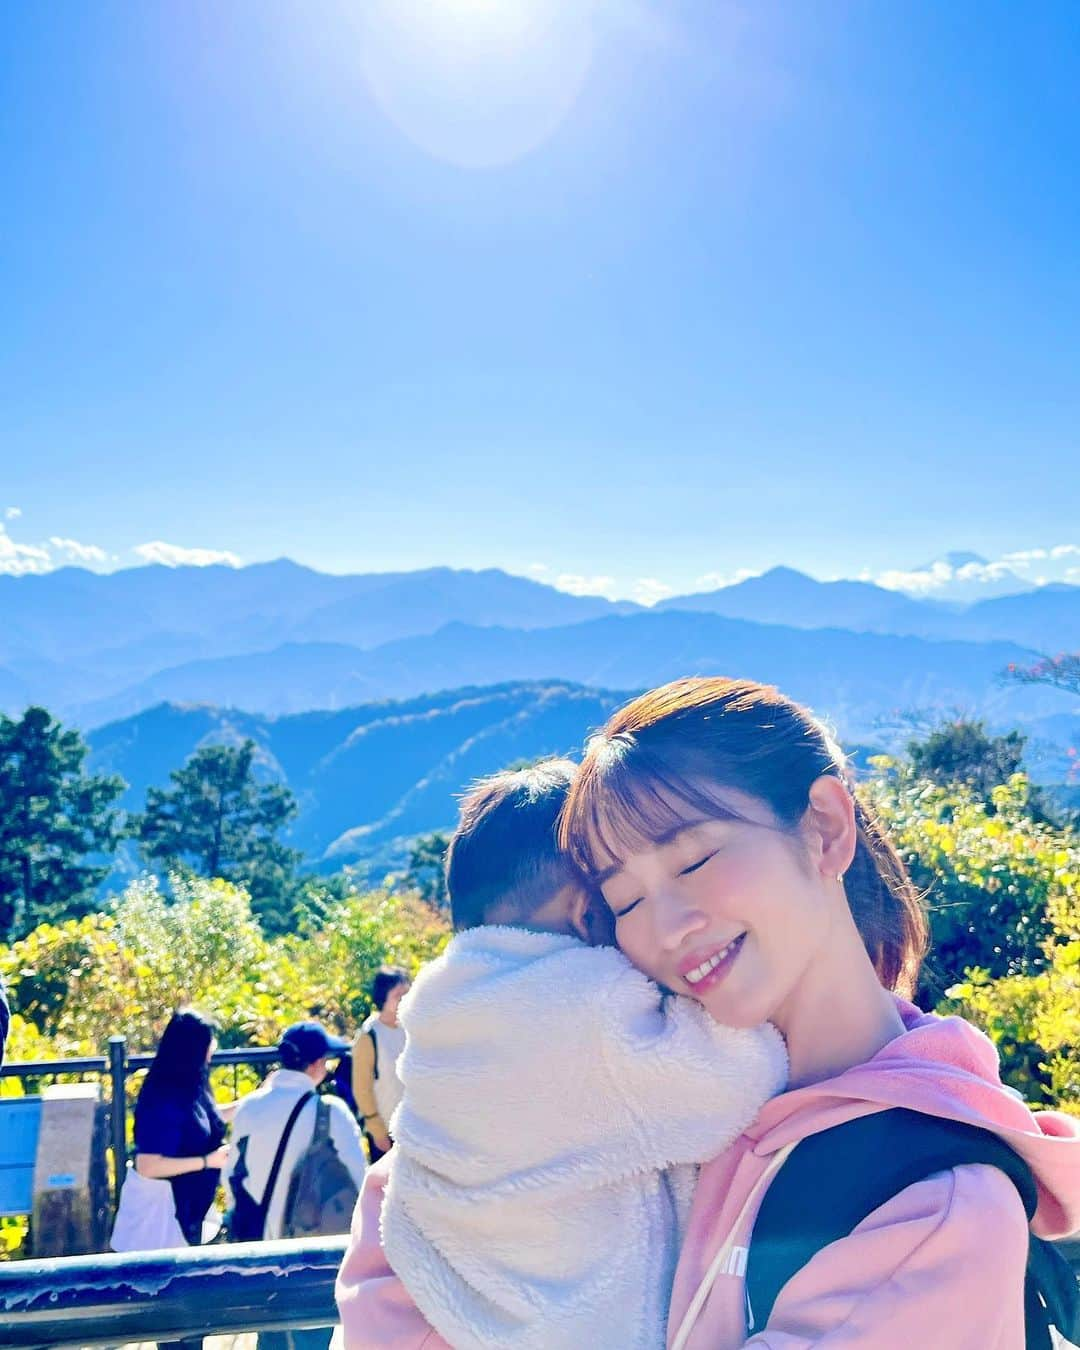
(146, 1217)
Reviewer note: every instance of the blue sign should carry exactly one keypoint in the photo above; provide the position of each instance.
(20, 1124)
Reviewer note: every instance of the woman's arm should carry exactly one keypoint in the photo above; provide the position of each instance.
(363, 1087)
(158, 1165)
(942, 1264)
(375, 1306)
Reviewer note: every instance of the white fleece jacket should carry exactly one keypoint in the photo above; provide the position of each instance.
(552, 1098)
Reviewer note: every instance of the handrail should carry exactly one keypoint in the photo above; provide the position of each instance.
(116, 1298)
(116, 1066)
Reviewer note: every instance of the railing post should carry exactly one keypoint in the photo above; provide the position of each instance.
(118, 1110)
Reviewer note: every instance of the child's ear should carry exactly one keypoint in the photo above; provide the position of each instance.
(591, 919)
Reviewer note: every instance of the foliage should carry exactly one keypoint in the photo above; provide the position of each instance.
(1035, 1019)
(1060, 672)
(74, 985)
(988, 869)
(53, 818)
(960, 751)
(217, 821)
(426, 872)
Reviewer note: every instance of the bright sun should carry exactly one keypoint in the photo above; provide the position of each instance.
(476, 82)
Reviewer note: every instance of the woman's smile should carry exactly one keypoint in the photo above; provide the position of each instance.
(701, 974)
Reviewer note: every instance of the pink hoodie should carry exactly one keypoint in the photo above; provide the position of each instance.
(941, 1264)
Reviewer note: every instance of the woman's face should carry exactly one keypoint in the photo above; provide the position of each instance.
(211, 1049)
(393, 999)
(732, 913)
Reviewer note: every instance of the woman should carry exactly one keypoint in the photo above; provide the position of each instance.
(717, 821)
(375, 1085)
(179, 1129)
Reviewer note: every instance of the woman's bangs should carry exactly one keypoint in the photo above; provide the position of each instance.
(627, 807)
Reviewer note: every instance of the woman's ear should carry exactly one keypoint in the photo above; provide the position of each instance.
(830, 823)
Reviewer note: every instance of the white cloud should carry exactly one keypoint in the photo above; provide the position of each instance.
(575, 584)
(73, 551)
(175, 555)
(941, 576)
(13, 513)
(648, 590)
(18, 560)
(716, 581)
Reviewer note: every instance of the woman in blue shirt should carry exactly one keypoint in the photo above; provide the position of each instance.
(179, 1129)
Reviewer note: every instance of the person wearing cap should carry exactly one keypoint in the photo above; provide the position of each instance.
(262, 1117)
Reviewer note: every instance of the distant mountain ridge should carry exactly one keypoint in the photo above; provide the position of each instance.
(365, 776)
(281, 638)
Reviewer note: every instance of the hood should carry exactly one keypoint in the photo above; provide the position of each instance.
(944, 1067)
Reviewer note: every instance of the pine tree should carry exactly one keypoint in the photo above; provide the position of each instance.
(218, 821)
(54, 819)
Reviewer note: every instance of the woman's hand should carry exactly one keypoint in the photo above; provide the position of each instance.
(219, 1157)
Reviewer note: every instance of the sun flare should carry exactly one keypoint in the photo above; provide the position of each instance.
(478, 83)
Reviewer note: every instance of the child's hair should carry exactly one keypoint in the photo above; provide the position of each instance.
(387, 979)
(666, 752)
(504, 856)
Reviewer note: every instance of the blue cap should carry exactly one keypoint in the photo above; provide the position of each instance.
(305, 1042)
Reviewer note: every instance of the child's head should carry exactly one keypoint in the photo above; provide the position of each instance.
(504, 864)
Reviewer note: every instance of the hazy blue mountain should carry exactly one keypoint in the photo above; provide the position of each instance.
(785, 596)
(855, 678)
(74, 636)
(278, 637)
(1047, 619)
(368, 775)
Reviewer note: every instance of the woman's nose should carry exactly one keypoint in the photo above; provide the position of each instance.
(677, 921)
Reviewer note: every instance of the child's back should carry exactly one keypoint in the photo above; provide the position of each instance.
(532, 1202)
(529, 1203)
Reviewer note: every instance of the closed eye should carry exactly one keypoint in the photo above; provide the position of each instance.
(700, 863)
(632, 905)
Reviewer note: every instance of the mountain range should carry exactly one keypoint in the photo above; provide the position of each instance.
(367, 777)
(278, 639)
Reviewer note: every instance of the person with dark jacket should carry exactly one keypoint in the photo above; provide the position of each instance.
(179, 1129)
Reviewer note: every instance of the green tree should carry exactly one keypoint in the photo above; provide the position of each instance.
(426, 872)
(988, 869)
(54, 819)
(960, 751)
(218, 821)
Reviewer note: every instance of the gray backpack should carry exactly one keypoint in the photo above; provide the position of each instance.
(322, 1193)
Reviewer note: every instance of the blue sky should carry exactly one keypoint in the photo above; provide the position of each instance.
(633, 292)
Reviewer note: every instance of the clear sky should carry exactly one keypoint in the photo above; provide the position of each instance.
(626, 290)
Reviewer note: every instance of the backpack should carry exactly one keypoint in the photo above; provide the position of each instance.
(342, 1084)
(322, 1193)
(833, 1180)
(246, 1221)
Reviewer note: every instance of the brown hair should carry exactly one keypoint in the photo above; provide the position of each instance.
(667, 750)
(504, 854)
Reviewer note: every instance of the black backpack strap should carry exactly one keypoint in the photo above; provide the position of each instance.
(833, 1180)
(375, 1052)
(271, 1180)
(322, 1121)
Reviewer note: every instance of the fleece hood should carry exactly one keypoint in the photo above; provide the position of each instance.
(944, 1067)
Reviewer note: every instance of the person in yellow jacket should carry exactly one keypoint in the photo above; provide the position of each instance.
(375, 1084)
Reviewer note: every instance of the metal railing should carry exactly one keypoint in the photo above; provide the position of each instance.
(116, 1298)
(117, 1066)
(108, 1300)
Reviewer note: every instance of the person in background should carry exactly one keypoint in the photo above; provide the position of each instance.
(375, 1083)
(5, 1018)
(179, 1128)
(259, 1127)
